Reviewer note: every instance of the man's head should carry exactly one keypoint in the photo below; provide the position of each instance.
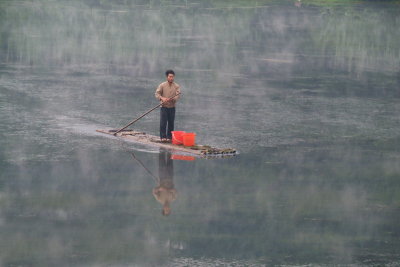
(166, 211)
(170, 75)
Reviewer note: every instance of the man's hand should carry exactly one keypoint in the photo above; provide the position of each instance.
(166, 99)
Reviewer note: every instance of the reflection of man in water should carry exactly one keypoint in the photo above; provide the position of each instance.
(165, 192)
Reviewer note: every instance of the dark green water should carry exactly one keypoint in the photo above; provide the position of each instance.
(308, 95)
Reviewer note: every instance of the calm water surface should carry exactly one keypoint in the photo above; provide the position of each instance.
(309, 95)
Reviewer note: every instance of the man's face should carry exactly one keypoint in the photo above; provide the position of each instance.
(170, 78)
(166, 211)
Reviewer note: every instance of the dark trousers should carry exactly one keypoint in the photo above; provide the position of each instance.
(167, 119)
(166, 170)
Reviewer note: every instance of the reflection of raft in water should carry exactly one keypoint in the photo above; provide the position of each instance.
(148, 139)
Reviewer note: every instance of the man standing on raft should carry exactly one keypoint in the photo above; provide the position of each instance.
(168, 93)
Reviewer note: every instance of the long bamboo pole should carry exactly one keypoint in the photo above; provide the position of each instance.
(156, 179)
(144, 114)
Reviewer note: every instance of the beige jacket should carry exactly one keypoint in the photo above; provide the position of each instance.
(168, 90)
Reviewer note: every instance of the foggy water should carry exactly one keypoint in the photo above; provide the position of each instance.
(309, 95)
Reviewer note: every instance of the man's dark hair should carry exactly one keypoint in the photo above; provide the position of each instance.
(168, 72)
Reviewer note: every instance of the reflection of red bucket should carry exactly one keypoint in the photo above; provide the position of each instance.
(182, 157)
(189, 139)
(177, 137)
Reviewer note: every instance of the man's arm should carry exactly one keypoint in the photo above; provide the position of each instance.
(178, 93)
(158, 93)
(175, 98)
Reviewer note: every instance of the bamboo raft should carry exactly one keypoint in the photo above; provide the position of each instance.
(148, 139)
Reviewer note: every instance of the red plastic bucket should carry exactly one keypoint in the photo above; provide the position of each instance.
(177, 137)
(182, 157)
(189, 139)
